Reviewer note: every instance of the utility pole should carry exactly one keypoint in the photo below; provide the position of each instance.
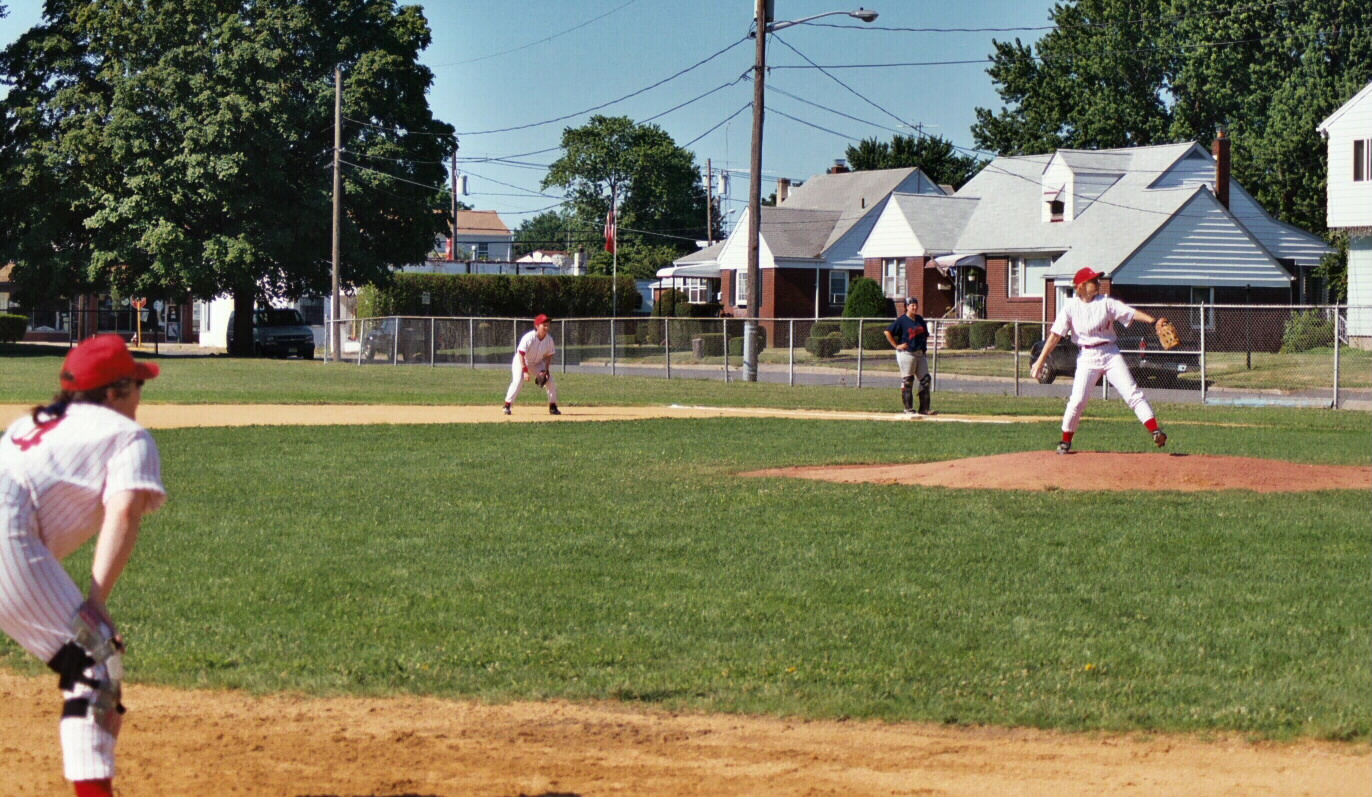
(336, 330)
(754, 295)
(709, 203)
(452, 233)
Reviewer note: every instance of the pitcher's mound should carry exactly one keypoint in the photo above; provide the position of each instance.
(1085, 470)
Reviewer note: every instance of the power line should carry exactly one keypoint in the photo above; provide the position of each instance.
(726, 120)
(540, 41)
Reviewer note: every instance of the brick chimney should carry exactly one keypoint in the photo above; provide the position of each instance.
(840, 166)
(783, 189)
(1221, 151)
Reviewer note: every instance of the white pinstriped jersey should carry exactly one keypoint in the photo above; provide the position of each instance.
(1092, 323)
(56, 476)
(534, 350)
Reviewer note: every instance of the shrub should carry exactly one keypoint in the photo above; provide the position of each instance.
(865, 300)
(672, 303)
(12, 328)
(983, 335)
(1028, 336)
(457, 295)
(825, 346)
(957, 336)
(1305, 331)
(823, 328)
(712, 344)
(874, 336)
(736, 340)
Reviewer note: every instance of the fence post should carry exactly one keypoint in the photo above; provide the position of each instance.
(433, 341)
(471, 342)
(395, 342)
(1337, 318)
(860, 347)
(938, 325)
(612, 345)
(1016, 357)
(724, 324)
(1204, 389)
(791, 349)
(667, 343)
(562, 352)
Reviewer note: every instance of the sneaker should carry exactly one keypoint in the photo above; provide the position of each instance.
(910, 411)
(1160, 438)
(507, 409)
(1064, 447)
(553, 410)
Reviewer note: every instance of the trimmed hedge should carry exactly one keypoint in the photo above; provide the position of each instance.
(736, 341)
(13, 327)
(983, 335)
(1028, 336)
(1306, 331)
(497, 295)
(825, 346)
(958, 336)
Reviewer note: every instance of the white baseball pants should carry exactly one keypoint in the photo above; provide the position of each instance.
(1091, 363)
(517, 384)
(38, 601)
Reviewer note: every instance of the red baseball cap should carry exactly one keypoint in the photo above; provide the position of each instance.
(1086, 275)
(541, 319)
(103, 360)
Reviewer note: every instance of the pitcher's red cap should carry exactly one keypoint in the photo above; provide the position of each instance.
(540, 319)
(103, 360)
(1086, 275)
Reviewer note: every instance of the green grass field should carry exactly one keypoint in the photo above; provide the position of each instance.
(626, 560)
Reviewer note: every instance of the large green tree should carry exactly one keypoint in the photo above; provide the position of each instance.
(166, 147)
(934, 155)
(1117, 73)
(550, 230)
(657, 185)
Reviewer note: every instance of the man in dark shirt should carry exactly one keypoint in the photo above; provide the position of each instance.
(909, 336)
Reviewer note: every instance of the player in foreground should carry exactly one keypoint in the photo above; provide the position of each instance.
(909, 336)
(1089, 317)
(534, 355)
(75, 467)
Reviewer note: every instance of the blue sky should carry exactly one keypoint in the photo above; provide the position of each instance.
(501, 65)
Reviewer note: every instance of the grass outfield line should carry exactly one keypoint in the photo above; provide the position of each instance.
(623, 560)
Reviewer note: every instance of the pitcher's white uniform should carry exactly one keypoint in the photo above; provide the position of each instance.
(1092, 326)
(55, 479)
(538, 354)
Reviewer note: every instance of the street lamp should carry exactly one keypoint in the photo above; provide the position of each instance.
(754, 277)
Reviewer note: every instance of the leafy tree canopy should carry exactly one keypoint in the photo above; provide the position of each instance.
(657, 185)
(167, 147)
(1118, 73)
(550, 230)
(934, 155)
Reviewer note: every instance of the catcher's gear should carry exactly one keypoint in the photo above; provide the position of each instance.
(541, 379)
(1167, 334)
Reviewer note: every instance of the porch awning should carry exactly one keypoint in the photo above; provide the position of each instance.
(704, 270)
(945, 262)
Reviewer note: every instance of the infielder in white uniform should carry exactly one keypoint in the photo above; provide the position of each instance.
(533, 358)
(78, 468)
(1089, 318)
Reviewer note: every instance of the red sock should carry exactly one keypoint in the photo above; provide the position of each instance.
(1067, 437)
(1151, 424)
(94, 788)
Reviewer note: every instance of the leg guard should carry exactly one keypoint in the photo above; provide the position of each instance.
(924, 396)
(89, 671)
(907, 386)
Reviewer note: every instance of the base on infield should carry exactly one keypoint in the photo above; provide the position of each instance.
(1090, 470)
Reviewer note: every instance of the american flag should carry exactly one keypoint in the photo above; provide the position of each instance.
(611, 232)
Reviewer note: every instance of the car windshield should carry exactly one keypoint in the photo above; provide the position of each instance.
(279, 318)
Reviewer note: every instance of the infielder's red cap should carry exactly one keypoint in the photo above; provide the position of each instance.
(1086, 275)
(540, 319)
(103, 360)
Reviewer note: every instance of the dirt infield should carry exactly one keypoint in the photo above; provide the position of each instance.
(179, 742)
(197, 743)
(1045, 470)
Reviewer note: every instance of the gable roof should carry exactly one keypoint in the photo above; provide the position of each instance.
(799, 233)
(937, 222)
(853, 194)
(1343, 109)
(480, 222)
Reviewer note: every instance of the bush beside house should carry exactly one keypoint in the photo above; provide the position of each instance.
(12, 328)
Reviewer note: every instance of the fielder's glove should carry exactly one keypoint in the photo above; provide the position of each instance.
(1167, 334)
(541, 379)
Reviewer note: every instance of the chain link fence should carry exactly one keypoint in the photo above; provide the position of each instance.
(1230, 354)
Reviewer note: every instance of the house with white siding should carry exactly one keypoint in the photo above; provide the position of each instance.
(1164, 223)
(1349, 133)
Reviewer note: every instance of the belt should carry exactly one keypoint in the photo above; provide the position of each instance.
(1095, 345)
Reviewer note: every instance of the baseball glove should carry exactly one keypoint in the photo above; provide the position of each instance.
(1167, 334)
(541, 379)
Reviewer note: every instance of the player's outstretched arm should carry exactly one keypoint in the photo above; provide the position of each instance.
(118, 534)
(1048, 346)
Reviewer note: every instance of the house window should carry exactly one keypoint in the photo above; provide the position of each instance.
(893, 277)
(741, 288)
(697, 290)
(1199, 298)
(483, 251)
(1056, 210)
(1362, 160)
(838, 287)
(1026, 276)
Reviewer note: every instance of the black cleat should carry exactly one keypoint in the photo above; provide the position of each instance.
(507, 409)
(1064, 447)
(1160, 438)
(553, 410)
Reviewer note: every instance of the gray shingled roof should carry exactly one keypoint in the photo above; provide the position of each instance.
(797, 233)
(937, 221)
(854, 194)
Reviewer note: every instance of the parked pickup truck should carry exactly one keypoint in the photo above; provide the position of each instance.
(1147, 360)
(279, 333)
